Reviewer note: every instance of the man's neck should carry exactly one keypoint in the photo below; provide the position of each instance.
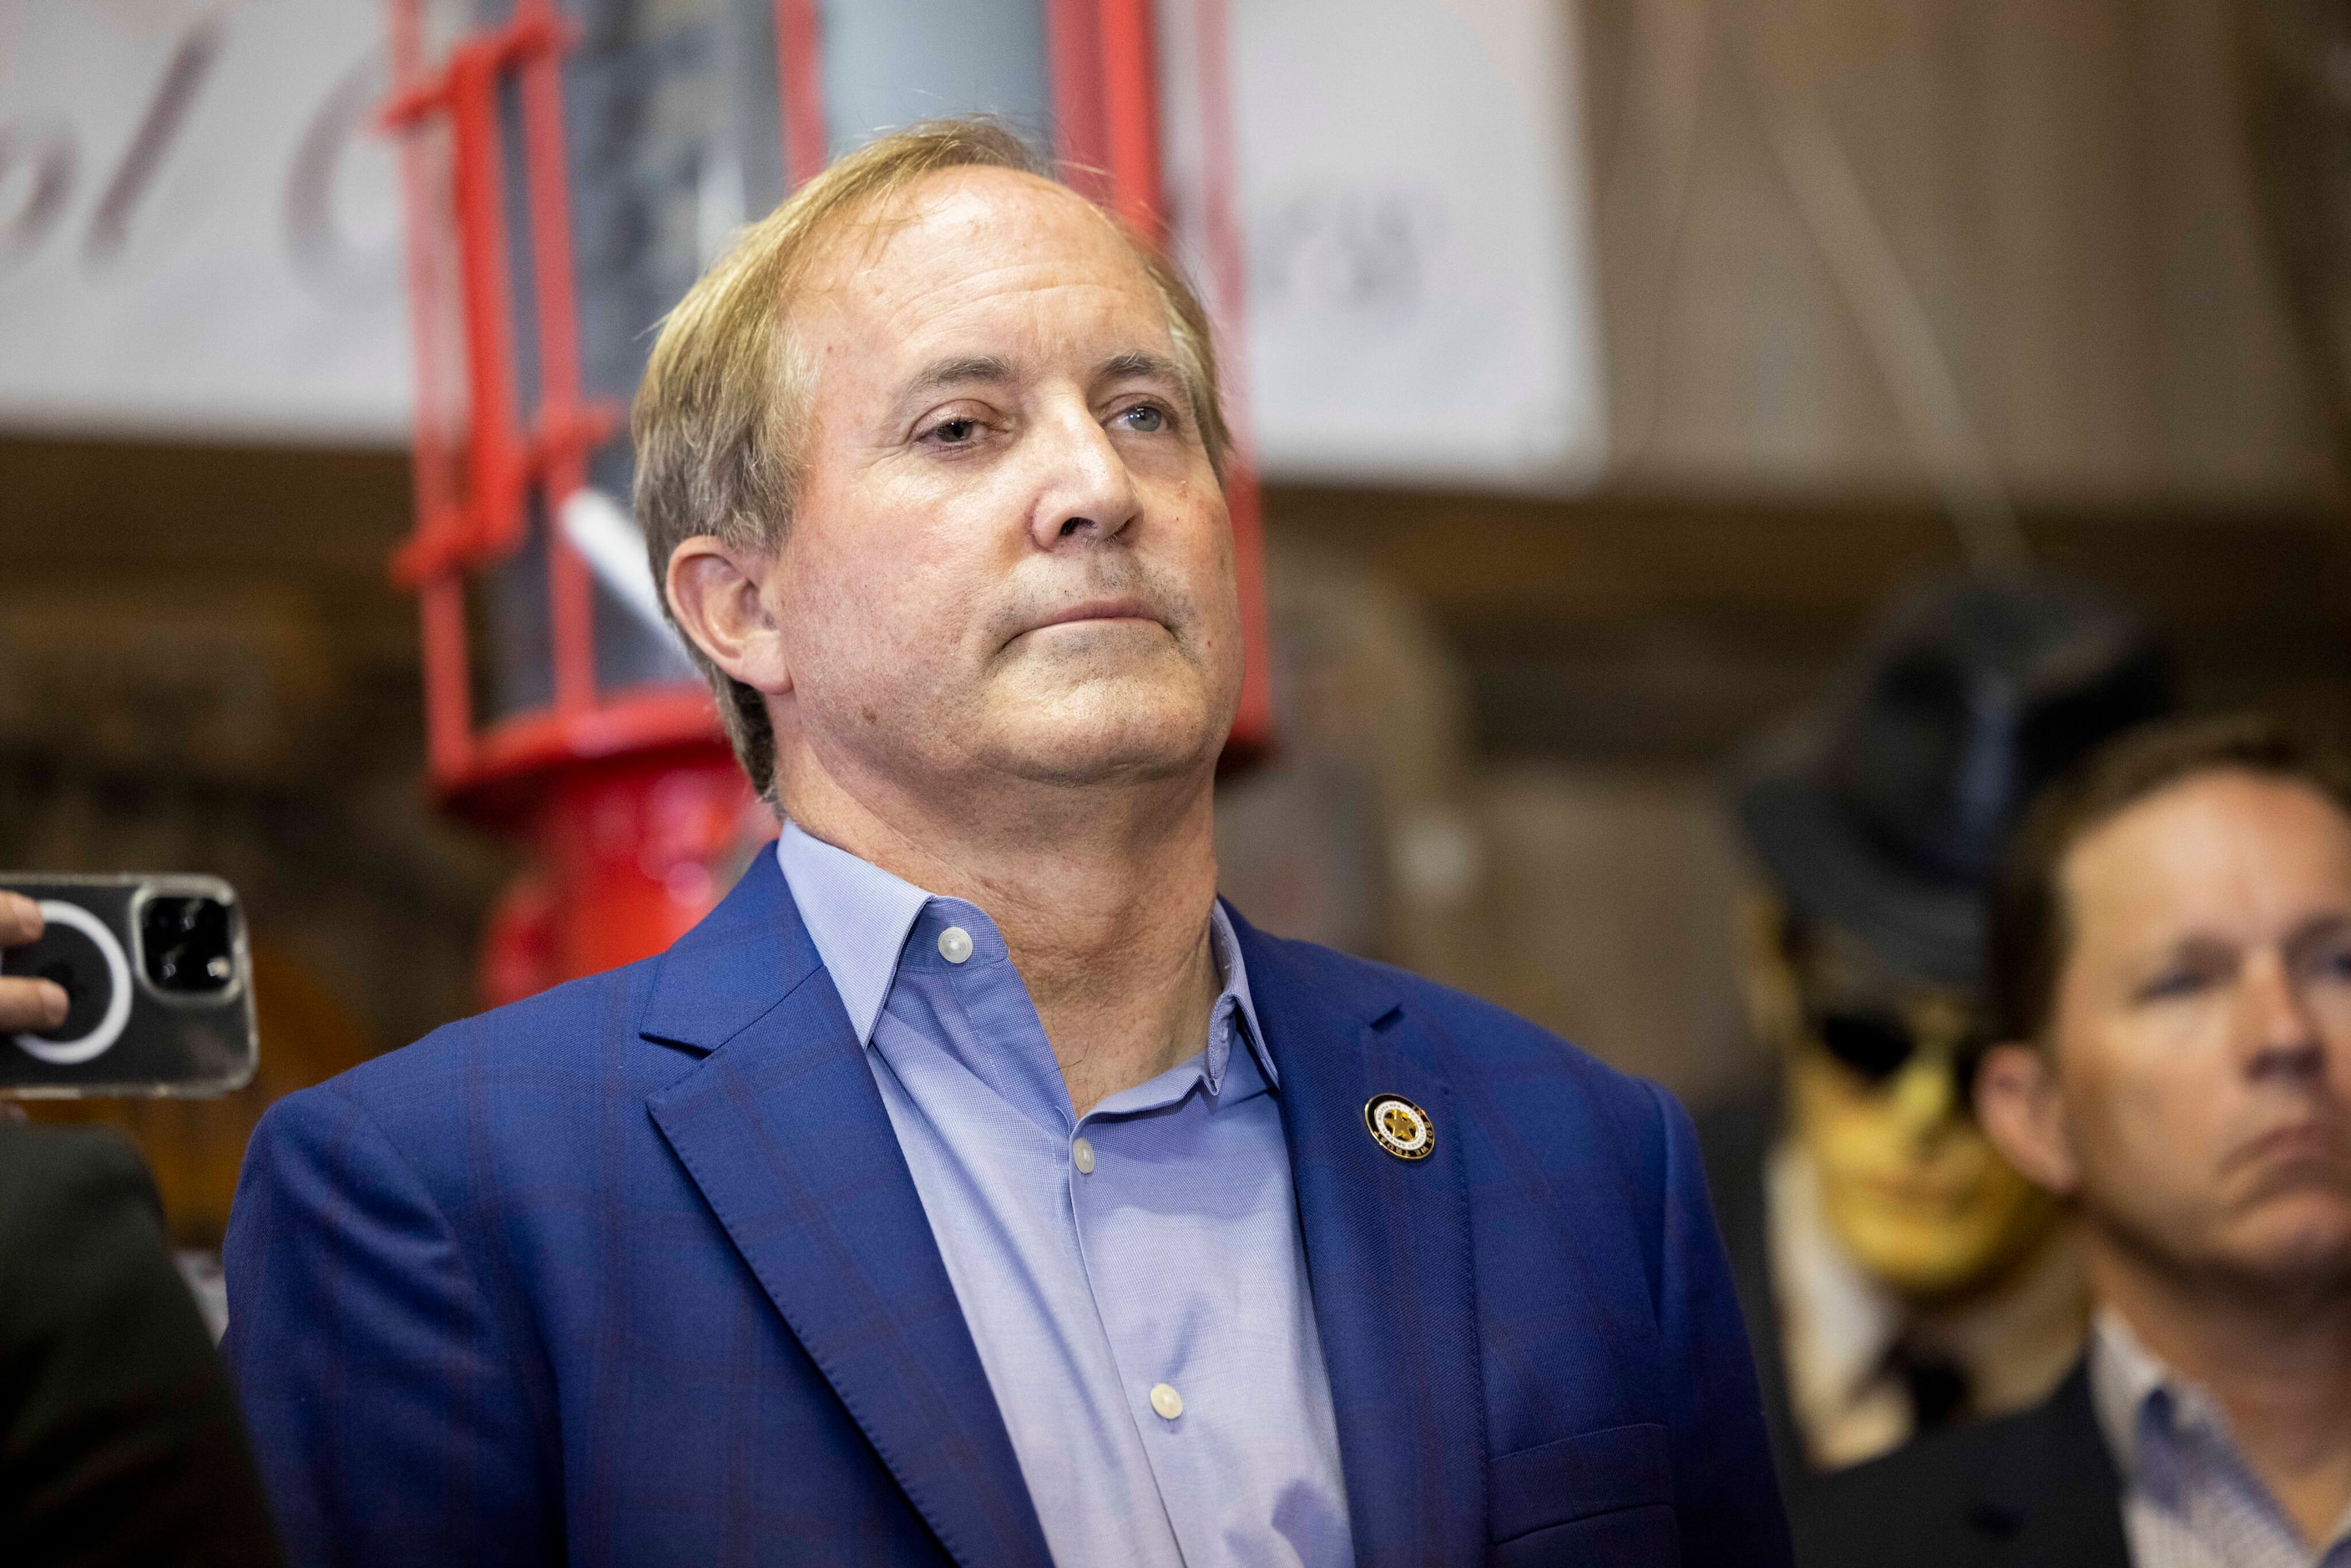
(2278, 1361)
(1103, 897)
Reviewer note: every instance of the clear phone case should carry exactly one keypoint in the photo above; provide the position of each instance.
(161, 985)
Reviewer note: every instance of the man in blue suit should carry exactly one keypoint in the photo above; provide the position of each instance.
(972, 1186)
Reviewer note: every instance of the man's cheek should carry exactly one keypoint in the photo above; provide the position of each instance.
(871, 597)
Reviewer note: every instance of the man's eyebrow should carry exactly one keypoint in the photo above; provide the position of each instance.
(940, 374)
(2324, 926)
(1135, 362)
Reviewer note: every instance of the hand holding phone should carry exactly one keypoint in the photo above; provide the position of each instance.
(29, 1002)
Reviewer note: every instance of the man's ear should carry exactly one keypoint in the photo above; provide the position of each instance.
(715, 593)
(2020, 1110)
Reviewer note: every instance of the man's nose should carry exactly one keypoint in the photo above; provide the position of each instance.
(1085, 492)
(1922, 1095)
(2279, 1032)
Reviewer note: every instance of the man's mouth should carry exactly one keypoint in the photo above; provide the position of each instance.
(1099, 611)
(2297, 1155)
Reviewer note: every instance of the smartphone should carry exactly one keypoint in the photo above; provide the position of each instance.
(159, 986)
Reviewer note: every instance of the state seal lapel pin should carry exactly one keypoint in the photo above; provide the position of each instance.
(1399, 1126)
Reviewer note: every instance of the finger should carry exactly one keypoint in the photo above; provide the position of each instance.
(20, 920)
(35, 1005)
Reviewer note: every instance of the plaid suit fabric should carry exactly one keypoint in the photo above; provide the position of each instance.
(635, 1273)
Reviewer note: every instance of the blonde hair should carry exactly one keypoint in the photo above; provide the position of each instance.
(719, 417)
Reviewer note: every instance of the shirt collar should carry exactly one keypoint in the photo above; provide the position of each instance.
(2131, 1389)
(1841, 1323)
(2165, 1432)
(859, 917)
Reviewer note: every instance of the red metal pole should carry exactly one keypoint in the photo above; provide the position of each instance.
(496, 481)
(1130, 111)
(448, 706)
(437, 500)
(799, 81)
(441, 606)
(1080, 138)
(562, 439)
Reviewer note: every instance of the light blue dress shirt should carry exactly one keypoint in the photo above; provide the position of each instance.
(2189, 1499)
(1134, 1280)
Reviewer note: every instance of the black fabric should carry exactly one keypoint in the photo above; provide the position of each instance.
(1937, 1387)
(1735, 1138)
(2032, 1490)
(119, 1440)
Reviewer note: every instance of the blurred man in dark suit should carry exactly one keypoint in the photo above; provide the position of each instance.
(120, 1442)
(1897, 1274)
(2173, 960)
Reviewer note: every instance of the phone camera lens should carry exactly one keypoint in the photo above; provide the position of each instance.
(186, 944)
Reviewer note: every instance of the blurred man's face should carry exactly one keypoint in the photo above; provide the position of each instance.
(2201, 1032)
(1011, 556)
(1876, 1065)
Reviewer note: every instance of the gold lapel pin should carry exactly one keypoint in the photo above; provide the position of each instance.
(1399, 1126)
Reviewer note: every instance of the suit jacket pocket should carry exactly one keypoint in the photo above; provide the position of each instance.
(1613, 1471)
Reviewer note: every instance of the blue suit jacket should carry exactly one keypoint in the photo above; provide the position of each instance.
(633, 1272)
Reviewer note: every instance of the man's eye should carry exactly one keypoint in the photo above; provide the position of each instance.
(1144, 419)
(2173, 983)
(2332, 962)
(953, 432)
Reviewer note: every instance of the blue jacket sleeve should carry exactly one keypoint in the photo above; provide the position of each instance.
(390, 1394)
(1726, 1491)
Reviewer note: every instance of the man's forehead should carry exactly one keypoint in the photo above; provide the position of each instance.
(961, 235)
(2211, 851)
(2207, 822)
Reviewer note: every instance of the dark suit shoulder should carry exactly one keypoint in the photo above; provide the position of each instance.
(2030, 1489)
(1735, 1135)
(1911, 1507)
(56, 1180)
(119, 1441)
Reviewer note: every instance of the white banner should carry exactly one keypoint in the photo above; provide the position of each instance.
(1421, 298)
(199, 226)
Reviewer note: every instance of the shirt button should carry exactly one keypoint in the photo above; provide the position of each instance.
(955, 944)
(1082, 1152)
(1166, 1401)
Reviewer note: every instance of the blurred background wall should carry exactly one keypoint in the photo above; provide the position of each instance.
(1873, 290)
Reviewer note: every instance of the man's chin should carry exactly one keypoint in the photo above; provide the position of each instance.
(2295, 1235)
(1110, 761)
(1094, 746)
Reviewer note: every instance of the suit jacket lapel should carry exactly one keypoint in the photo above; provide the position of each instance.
(1387, 1253)
(2053, 1494)
(782, 1129)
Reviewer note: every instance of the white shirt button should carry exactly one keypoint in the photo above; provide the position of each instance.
(1166, 1401)
(955, 944)
(1082, 1152)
